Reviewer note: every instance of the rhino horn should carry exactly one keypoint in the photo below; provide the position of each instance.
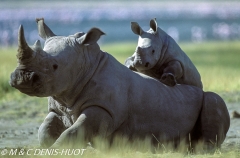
(43, 30)
(24, 51)
(37, 46)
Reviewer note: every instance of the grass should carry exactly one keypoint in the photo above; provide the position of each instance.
(13, 104)
(121, 148)
(217, 62)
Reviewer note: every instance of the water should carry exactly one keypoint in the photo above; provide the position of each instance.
(185, 21)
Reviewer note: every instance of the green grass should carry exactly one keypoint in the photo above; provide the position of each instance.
(13, 104)
(217, 62)
(219, 66)
(7, 64)
(121, 148)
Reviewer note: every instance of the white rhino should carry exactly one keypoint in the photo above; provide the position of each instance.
(91, 93)
(159, 56)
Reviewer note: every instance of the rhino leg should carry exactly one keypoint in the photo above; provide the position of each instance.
(50, 129)
(129, 63)
(168, 79)
(171, 73)
(93, 121)
(214, 121)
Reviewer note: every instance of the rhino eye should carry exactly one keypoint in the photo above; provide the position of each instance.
(55, 66)
(153, 51)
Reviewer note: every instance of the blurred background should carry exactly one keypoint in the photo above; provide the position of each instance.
(208, 31)
(186, 20)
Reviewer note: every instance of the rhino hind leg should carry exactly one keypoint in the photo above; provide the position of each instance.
(168, 79)
(214, 121)
(171, 73)
(50, 129)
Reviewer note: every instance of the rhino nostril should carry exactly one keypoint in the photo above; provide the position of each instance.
(35, 77)
(147, 64)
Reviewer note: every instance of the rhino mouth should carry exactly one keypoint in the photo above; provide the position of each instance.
(30, 91)
(141, 65)
(26, 81)
(146, 65)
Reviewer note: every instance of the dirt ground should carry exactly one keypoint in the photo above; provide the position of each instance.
(13, 135)
(233, 136)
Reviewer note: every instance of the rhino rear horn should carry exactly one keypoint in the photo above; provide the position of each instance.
(37, 46)
(24, 51)
(43, 30)
(136, 28)
(153, 25)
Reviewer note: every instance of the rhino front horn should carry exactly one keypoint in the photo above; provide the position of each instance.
(24, 51)
(43, 30)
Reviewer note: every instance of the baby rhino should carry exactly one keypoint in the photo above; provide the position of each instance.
(159, 56)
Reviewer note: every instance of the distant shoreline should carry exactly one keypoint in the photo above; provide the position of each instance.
(185, 21)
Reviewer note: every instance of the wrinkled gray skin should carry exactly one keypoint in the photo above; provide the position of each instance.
(159, 56)
(91, 94)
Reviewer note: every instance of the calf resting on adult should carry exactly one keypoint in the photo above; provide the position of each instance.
(159, 56)
(90, 92)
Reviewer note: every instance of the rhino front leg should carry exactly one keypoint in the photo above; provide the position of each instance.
(171, 73)
(129, 63)
(50, 129)
(92, 121)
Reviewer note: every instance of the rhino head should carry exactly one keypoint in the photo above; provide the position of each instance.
(54, 69)
(33, 68)
(149, 47)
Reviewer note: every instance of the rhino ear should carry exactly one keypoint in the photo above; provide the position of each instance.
(153, 25)
(136, 28)
(91, 37)
(78, 34)
(43, 30)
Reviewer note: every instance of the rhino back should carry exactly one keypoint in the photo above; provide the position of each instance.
(173, 52)
(141, 102)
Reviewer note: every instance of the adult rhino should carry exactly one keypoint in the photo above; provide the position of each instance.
(90, 92)
(159, 56)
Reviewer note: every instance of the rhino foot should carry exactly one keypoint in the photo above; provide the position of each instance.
(168, 79)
